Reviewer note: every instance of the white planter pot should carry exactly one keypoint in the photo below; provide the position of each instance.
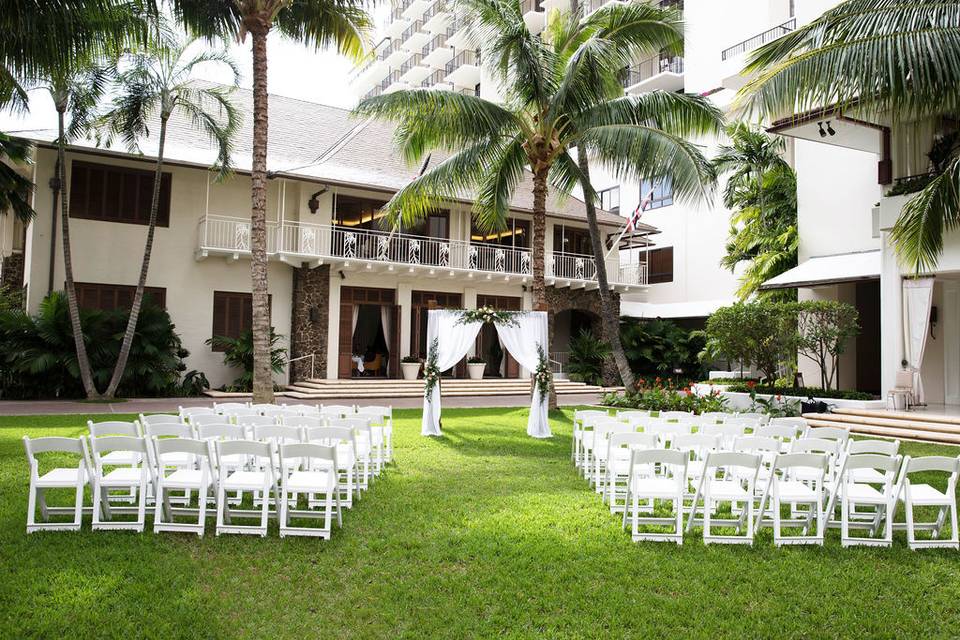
(410, 370)
(476, 369)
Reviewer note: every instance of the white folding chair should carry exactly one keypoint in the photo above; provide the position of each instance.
(273, 411)
(784, 433)
(134, 477)
(669, 485)
(251, 422)
(75, 478)
(382, 428)
(231, 462)
(227, 407)
(882, 500)
(188, 412)
(756, 416)
(580, 419)
(303, 409)
(620, 450)
(667, 431)
(631, 415)
(727, 432)
(159, 418)
(828, 433)
(319, 478)
(698, 447)
(208, 419)
(766, 448)
(118, 458)
(234, 415)
(588, 439)
(264, 406)
(795, 421)
(337, 410)
(914, 494)
(676, 416)
(715, 490)
(601, 448)
(345, 442)
(781, 489)
(163, 430)
(364, 446)
(197, 477)
(303, 422)
(880, 447)
(259, 479)
(714, 416)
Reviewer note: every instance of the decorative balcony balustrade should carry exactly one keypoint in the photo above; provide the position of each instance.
(414, 27)
(434, 78)
(464, 57)
(393, 76)
(760, 39)
(305, 241)
(635, 74)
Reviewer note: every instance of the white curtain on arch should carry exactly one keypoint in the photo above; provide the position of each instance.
(454, 340)
(917, 302)
(386, 320)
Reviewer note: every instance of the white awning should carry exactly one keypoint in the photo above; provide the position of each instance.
(693, 309)
(822, 270)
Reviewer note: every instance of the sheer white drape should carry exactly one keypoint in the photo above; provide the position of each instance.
(454, 339)
(386, 319)
(353, 326)
(521, 341)
(917, 301)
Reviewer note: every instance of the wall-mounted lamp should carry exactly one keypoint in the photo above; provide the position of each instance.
(823, 134)
(342, 277)
(314, 203)
(830, 129)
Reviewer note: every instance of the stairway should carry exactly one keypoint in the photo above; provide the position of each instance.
(892, 424)
(321, 389)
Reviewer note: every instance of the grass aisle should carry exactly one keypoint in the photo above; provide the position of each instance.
(482, 533)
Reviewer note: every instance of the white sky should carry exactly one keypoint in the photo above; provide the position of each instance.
(293, 70)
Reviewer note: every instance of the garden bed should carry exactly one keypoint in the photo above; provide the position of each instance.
(741, 400)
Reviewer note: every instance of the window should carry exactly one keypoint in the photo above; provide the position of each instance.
(517, 234)
(232, 313)
(360, 213)
(571, 240)
(116, 194)
(662, 192)
(108, 297)
(610, 199)
(660, 265)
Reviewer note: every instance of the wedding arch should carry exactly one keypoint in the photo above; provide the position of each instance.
(451, 334)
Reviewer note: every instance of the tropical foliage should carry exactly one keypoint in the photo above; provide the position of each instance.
(15, 189)
(762, 193)
(587, 355)
(661, 348)
(662, 399)
(238, 353)
(800, 392)
(824, 330)
(38, 358)
(885, 60)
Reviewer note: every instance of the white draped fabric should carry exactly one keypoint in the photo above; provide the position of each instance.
(386, 315)
(917, 301)
(454, 340)
(522, 342)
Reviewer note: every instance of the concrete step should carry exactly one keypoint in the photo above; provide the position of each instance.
(891, 424)
(317, 389)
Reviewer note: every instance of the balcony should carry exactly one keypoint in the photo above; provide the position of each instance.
(733, 57)
(464, 69)
(437, 80)
(437, 53)
(396, 26)
(415, 9)
(664, 73)
(436, 18)
(458, 35)
(357, 249)
(533, 15)
(414, 37)
(392, 83)
(414, 71)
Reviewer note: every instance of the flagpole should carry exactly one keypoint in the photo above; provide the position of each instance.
(643, 207)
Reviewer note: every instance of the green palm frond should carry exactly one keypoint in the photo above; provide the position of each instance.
(15, 189)
(884, 56)
(340, 24)
(499, 181)
(918, 233)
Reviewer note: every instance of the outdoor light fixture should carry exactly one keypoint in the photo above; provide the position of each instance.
(823, 134)
(313, 203)
(830, 129)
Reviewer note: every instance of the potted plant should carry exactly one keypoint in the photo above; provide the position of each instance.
(410, 367)
(475, 367)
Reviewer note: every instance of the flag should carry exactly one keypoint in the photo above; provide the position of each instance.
(634, 219)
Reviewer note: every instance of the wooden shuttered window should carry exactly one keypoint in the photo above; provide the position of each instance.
(660, 265)
(108, 297)
(116, 194)
(232, 313)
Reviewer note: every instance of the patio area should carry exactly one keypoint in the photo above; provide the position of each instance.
(482, 532)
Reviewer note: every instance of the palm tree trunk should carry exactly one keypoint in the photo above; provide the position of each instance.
(262, 374)
(611, 323)
(539, 237)
(83, 361)
(144, 267)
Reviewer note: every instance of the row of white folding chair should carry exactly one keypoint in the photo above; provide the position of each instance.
(207, 473)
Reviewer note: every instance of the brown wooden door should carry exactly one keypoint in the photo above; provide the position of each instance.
(345, 364)
(500, 303)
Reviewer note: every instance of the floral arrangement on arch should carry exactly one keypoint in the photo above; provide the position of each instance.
(543, 376)
(488, 315)
(431, 373)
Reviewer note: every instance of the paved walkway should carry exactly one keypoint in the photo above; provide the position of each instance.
(164, 405)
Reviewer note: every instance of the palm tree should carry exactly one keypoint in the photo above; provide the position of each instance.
(318, 23)
(159, 81)
(15, 190)
(762, 190)
(887, 59)
(557, 96)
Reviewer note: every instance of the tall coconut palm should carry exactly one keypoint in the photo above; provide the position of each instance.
(76, 89)
(318, 23)
(15, 190)
(557, 96)
(152, 85)
(887, 59)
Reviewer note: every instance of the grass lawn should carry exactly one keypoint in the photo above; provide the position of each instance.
(484, 532)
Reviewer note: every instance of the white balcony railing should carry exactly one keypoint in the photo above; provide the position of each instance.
(315, 242)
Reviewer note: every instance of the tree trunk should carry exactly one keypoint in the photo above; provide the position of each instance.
(539, 261)
(144, 268)
(611, 323)
(262, 373)
(83, 361)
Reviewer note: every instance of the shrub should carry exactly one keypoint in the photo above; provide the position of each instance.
(238, 353)
(587, 355)
(803, 392)
(824, 328)
(38, 357)
(661, 347)
(472, 360)
(726, 381)
(410, 360)
(666, 400)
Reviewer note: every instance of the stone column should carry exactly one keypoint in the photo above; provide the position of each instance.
(310, 321)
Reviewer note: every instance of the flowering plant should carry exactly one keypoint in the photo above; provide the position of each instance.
(431, 373)
(488, 315)
(543, 376)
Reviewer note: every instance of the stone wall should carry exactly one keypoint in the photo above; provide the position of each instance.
(565, 299)
(11, 271)
(310, 321)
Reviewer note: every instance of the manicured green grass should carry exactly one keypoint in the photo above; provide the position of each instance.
(484, 532)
